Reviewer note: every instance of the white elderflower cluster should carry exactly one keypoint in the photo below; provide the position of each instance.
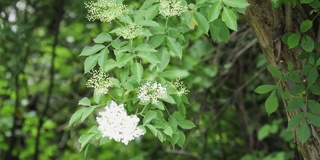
(100, 82)
(151, 92)
(130, 31)
(171, 7)
(104, 10)
(179, 87)
(116, 124)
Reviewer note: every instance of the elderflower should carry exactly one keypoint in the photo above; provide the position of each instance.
(130, 31)
(100, 82)
(179, 87)
(171, 7)
(104, 10)
(116, 124)
(151, 92)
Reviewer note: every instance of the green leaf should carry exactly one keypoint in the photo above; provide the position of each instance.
(264, 132)
(174, 46)
(150, 115)
(137, 71)
(264, 88)
(314, 106)
(169, 99)
(305, 1)
(87, 51)
(147, 4)
(305, 25)
(186, 124)
(84, 140)
(164, 57)
(276, 3)
(149, 23)
(274, 71)
(103, 57)
(161, 136)
(297, 89)
(87, 112)
(214, 11)
(157, 40)
(90, 62)
(202, 22)
(76, 116)
(152, 11)
(144, 48)
(150, 57)
(175, 74)
(295, 104)
(295, 120)
(236, 3)
(315, 89)
(307, 43)
(110, 64)
(97, 97)
(125, 59)
(293, 40)
(230, 18)
(271, 103)
(318, 62)
(314, 119)
(159, 105)
(153, 129)
(175, 138)
(85, 102)
(168, 130)
(182, 139)
(182, 109)
(219, 31)
(177, 116)
(303, 132)
(103, 37)
(290, 66)
(312, 76)
(173, 123)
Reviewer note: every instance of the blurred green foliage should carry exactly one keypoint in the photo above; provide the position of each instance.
(230, 117)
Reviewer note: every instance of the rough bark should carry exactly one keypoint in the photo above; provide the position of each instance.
(270, 25)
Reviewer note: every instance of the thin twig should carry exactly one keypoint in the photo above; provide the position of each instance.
(50, 89)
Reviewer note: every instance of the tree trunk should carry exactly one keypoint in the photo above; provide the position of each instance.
(270, 25)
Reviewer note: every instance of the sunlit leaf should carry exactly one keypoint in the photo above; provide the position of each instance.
(236, 3)
(174, 46)
(186, 124)
(103, 37)
(137, 71)
(230, 18)
(214, 11)
(202, 22)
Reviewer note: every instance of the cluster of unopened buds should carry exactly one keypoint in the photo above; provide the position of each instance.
(104, 10)
(171, 7)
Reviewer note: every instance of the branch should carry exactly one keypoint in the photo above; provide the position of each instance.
(51, 84)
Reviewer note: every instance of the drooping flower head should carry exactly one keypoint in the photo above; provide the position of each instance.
(151, 92)
(116, 124)
(104, 10)
(171, 7)
(100, 82)
(179, 87)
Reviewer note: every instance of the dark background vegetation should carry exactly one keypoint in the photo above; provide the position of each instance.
(42, 80)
